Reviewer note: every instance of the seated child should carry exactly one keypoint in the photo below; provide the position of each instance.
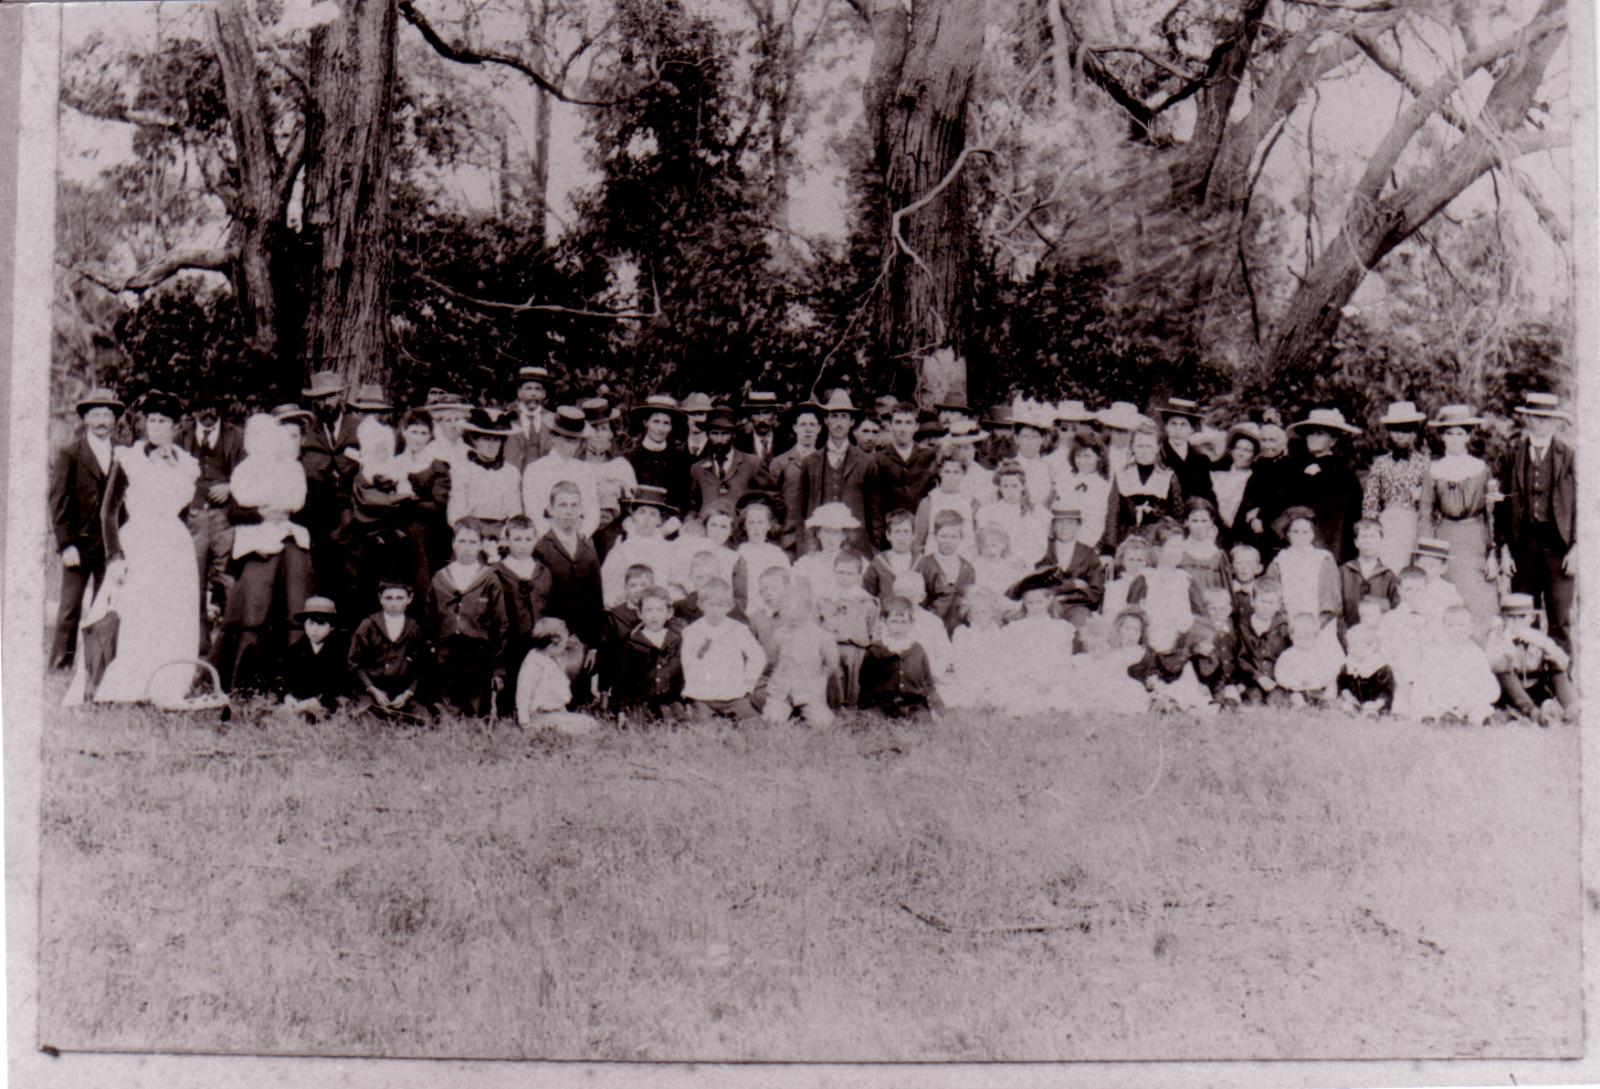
(649, 680)
(543, 690)
(705, 569)
(316, 669)
(469, 626)
(977, 652)
(1308, 669)
(1204, 560)
(713, 543)
(1263, 637)
(1308, 574)
(620, 620)
(1453, 679)
(771, 585)
(1439, 593)
(643, 543)
(1404, 632)
(1080, 578)
(1530, 666)
(388, 654)
(525, 584)
(1105, 686)
(1165, 593)
(1246, 562)
(945, 572)
(851, 614)
(756, 553)
(1038, 676)
(993, 568)
(804, 656)
(1366, 575)
(1216, 650)
(1132, 559)
(1366, 683)
(722, 661)
(1169, 676)
(830, 522)
(898, 559)
(927, 628)
(896, 678)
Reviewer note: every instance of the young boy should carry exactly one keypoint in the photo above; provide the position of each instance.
(618, 625)
(850, 614)
(771, 585)
(898, 559)
(316, 669)
(646, 507)
(388, 654)
(926, 626)
(1308, 669)
(1366, 576)
(830, 522)
(569, 556)
(1263, 637)
(1246, 562)
(649, 677)
(470, 626)
(525, 585)
(1439, 594)
(543, 689)
(945, 573)
(1216, 650)
(705, 570)
(804, 657)
(1366, 683)
(896, 678)
(1404, 633)
(722, 661)
(1530, 666)
(1081, 578)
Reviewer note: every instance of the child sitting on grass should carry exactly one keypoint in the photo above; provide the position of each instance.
(850, 614)
(1080, 576)
(1439, 594)
(1246, 562)
(1366, 575)
(1308, 669)
(1206, 563)
(649, 681)
(1405, 632)
(993, 568)
(469, 634)
(620, 620)
(756, 553)
(945, 572)
(316, 669)
(1167, 596)
(1530, 666)
(1132, 560)
(1216, 651)
(1308, 574)
(1105, 685)
(1169, 675)
(927, 628)
(388, 654)
(1453, 679)
(1366, 683)
(830, 522)
(977, 652)
(543, 690)
(1036, 675)
(897, 559)
(1263, 637)
(722, 661)
(804, 658)
(896, 678)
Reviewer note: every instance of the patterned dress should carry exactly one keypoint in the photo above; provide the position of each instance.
(1392, 495)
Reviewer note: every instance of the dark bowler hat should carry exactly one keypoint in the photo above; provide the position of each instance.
(488, 421)
(720, 419)
(101, 397)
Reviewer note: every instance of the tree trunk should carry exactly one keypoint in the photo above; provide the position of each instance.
(348, 134)
(538, 196)
(919, 119)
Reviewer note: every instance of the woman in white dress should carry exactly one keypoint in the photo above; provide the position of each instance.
(150, 566)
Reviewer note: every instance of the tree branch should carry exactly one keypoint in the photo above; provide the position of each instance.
(923, 201)
(532, 307)
(463, 55)
(199, 260)
(1150, 55)
(74, 100)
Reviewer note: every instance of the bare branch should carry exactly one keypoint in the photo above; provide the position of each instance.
(200, 260)
(1346, 5)
(1150, 55)
(73, 99)
(927, 198)
(532, 307)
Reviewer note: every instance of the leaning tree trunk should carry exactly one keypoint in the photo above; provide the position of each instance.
(348, 135)
(917, 92)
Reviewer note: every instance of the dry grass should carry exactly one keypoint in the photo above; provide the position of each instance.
(1259, 886)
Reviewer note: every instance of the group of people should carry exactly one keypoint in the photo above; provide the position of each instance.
(557, 562)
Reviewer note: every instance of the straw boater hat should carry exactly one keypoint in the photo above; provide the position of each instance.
(1037, 417)
(488, 421)
(761, 400)
(1009, 467)
(1456, 416)
(649, 495)
(839, 401)
(1518, 604)
(101, 397)
(697, 404)
(1402, 414)
(1244, 430)
(368, 397)
(321, 608)
(1541, 404)
(1121, 416)
(1180, 406)
(1325, 419)
(568, 422)
(1431, 547)
(1063, 508)
(832, 516)
(1073, 412)
(599, 410)
(657, 402)
(291, 411)
(323, 384)
(534, 373)
(444, 400)
(963, 433)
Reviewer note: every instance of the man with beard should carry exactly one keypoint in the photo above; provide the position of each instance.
(1393, 489)
(723, 474)
(696, 407)
(905, 466)
(1324, 481)
(77, 486)
(327, 491)
(839, 472)
(530, 439)
(760, 437)
(1179, 417)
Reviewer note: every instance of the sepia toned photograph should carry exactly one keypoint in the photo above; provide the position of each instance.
(805, 531)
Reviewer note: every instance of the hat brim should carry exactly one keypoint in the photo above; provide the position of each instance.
(1036, 580)
(1191, 413)
(1402, 421)
(1322, 425)
(642, 413)
(316, 614)
(369, 406)
(628, 503)
(331, 391)
(1550, 413)
(562, 432)
(1440, 425)
(115, 406)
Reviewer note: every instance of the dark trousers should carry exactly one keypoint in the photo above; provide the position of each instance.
(465, 671)
(74, 580)
(1538, 554)
(257, 623)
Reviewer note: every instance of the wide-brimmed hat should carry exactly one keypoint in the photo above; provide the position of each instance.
(368, 397)
(445, 400)
(1072, 411)
(1514, 604)
(1455, 416)
(955, 402)
(1402, 414)
(1243, 430)
(1046, 578)
(1325, 419)
(535, 373)
(657, 402)
(291, 411)
(324, 384)
(489, 421)
(101, 397)
(1180, 406)
(839, 401)
(160, 403)
(320, 607)
(1535, 403)
(833, 516)
(761, 400)
(1120, 416)
(1431, 547)
(963, 433)
(649, 495)
(696, 404)
(568, 422)
(1034, 415)
(720, 419)
(1001, 416)
(599, 410)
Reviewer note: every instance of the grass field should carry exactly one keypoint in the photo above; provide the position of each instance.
(1263, 885)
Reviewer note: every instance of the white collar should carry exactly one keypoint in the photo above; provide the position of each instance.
(652, 446)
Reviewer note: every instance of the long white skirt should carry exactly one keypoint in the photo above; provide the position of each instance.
(159, 609)
(1399, 536)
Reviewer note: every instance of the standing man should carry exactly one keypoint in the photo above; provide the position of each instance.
(531, 438)
(326, 497)
(905, 466)
(77, 486)
(1179, 417)
(840, 472)
(217, 446)
(723, 476)
(696, 407)
(760, 411)
(1535, 523)
(565, 432)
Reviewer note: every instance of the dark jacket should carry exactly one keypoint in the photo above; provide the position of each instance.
(478, 612)
(1327, 485)
(216, 464)
(324, 675)
(1081, 580)
(1384, 584)
(647, 675)
(708, 483)
(575, 594)
(898, 682)
(392, 666)
(667, 469)
(944, 596)
(1513, 516)
(1216, 670)
(902, 482)
(1193, 471)
(525, 600)
(620, 620)
(854, 483)
(77, 489)
(1259, 653)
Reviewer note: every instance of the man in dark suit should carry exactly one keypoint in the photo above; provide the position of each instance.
(760, 410)
(1179, 418)
(905, 466)
(218, 446)
(723, 475)
(530, 440)
(839, 472)
(1536, 521)
(319, 445)
(77, 485)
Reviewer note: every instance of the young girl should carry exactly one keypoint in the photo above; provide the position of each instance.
(469, 635)
(1308, 574)
(1038, 676)
(1106, 687)
(1169, 598)
(1080, 480)
(643, 544)
(900, 557)
(1026, 524)
(804, 656)
(896, 678)
(1033, 424)
(543, 689)
(949, 497)
(977, 651)
(831, 522)
(1169, 676)
(1439, 594)
(945, 572)
(994, 568)
(1143, 491)
(1132, 560)
(1206, 563)
(714, 542)
(758, 517)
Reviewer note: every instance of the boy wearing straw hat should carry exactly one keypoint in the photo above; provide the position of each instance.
(1536, 523)
(77, 487)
